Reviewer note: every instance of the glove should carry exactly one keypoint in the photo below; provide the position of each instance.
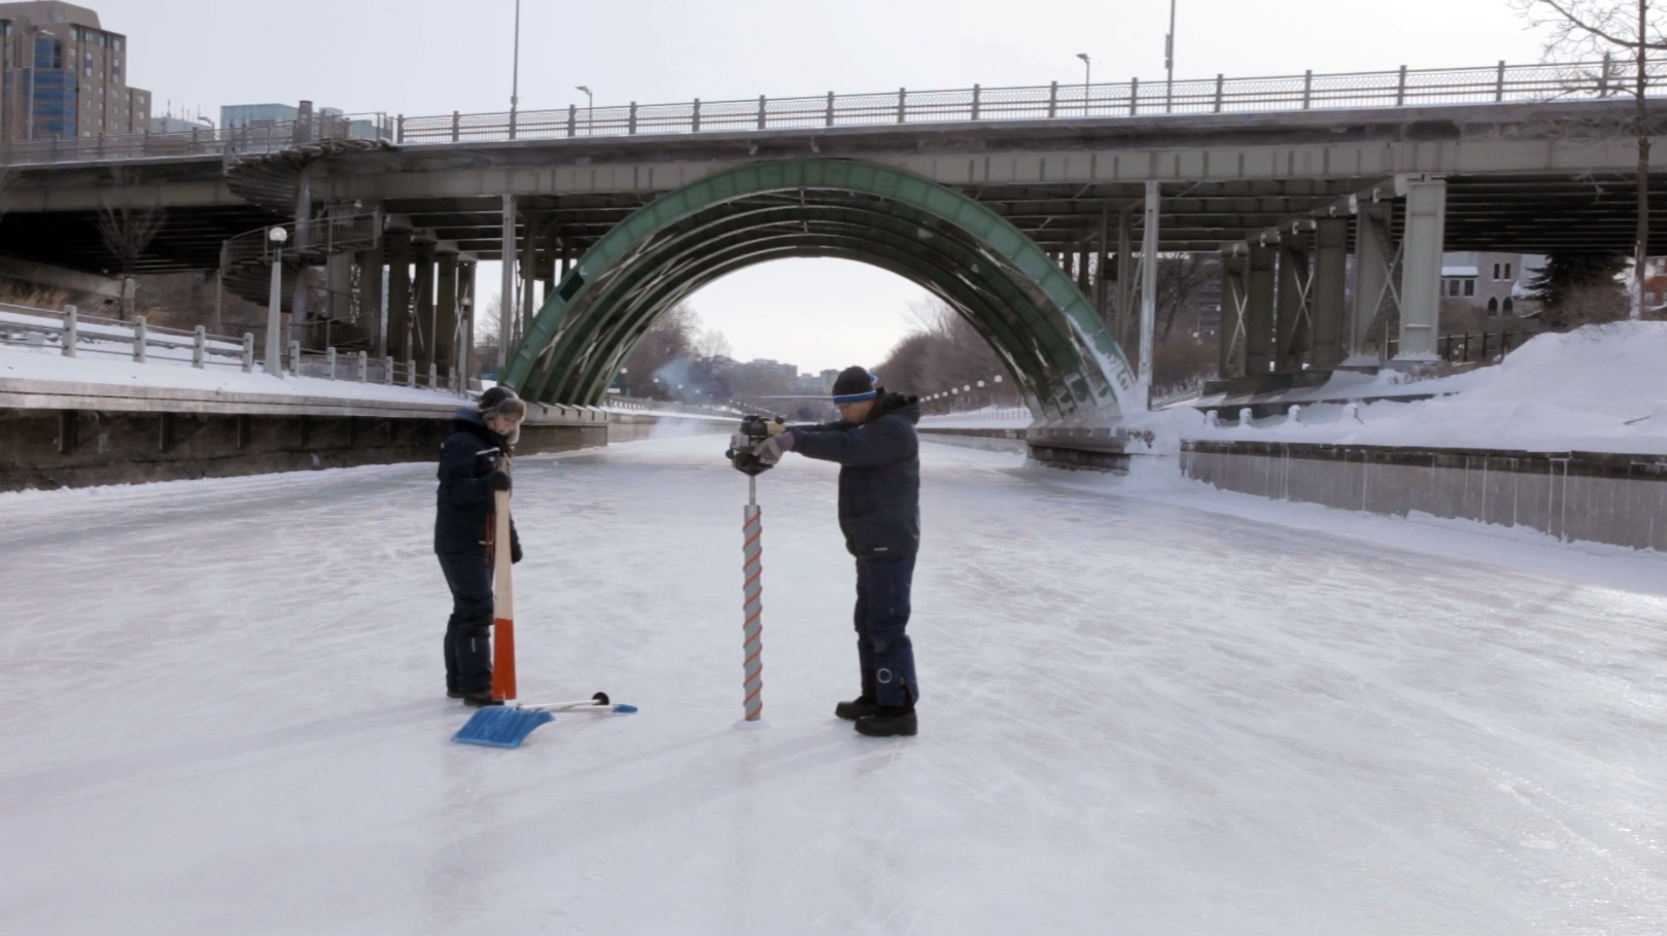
(514, 553)
(498, 481)
(772, 449)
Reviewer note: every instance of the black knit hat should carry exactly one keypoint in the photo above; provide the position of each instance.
(853, 385)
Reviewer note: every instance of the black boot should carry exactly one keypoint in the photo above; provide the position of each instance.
(862, 705)
(888, 721)
(480, 699)
(454, 693)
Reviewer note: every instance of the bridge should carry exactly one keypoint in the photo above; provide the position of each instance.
(1039, 213)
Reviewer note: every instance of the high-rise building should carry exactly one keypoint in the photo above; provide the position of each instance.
(65, 75)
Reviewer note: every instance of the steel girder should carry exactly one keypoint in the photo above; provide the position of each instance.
(989, 271)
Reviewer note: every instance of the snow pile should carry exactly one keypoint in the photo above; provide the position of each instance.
(1602, 388)
(988, 417)
(27, 364)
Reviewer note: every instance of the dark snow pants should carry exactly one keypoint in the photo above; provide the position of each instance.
(883, 649)
(469, 632)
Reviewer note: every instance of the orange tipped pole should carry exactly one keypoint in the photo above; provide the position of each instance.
(503, 602)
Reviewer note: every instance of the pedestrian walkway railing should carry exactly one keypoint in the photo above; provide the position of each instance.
(983, 414)
(71, 334)
(627, 404)
(1402, 87)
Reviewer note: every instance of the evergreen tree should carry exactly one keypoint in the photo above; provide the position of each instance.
(1564, 272)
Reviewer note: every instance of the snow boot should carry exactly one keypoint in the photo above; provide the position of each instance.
(454, 693)
(480, 699)
(862, 705)
(888, 721)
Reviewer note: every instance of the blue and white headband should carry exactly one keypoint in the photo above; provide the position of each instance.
(844, 398)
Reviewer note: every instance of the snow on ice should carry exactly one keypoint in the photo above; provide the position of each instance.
(1149, 707)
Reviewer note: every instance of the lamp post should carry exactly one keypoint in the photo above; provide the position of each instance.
(1169, 61)
(1087, 79)
(590, 109)
(515, 79)
(275, 302)
(996, 379)
(981, 386)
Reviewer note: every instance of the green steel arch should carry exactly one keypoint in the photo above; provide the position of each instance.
(1061, 355)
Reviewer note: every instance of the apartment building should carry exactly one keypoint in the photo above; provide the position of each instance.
(65, 75)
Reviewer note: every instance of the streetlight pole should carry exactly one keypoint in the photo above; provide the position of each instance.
(1169, 61)
(515, 79)
(1087, 79)
(275, 302)
(590, 109)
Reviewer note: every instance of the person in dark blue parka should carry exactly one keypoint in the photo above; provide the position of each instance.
(879, 512)
(473, 460)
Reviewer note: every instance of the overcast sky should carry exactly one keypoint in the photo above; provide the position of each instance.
(436, 56)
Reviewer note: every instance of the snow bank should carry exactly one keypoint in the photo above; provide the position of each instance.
(22, 363)
(1601, 388)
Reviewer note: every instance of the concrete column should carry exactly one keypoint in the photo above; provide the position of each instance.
(1148, 284)
(1373, 259)
(466, 308)
(303, 240)
(1102, 283)
(1258, 312)
(1331, 246)
(370, 300)
(1125, 273)
(1421, 247)
(445, 313)
(338, 273)
(1083, 272)
(529, 272)
(423, 285)
(1235, 291)
(400, 345)
(1292, 319)
(506, 290)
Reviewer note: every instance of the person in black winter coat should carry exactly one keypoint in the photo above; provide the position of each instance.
(473, 460)
(879, 512)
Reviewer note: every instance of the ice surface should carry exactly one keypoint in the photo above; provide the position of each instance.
(1149, 708)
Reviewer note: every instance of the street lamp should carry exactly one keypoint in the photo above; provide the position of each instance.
(275, 301)
(981, 386)
(590, 108)
(1169, 61)
(1087, 79)
(515, 80)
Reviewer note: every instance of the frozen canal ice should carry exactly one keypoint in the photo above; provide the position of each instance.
(224, 713)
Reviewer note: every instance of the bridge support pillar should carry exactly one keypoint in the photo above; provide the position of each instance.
(1294, 311)
(1421, 246)
(423, 285)
(1125, 274)
(1148, 285)
(338, 275)
(445, 315)
(466, 309)
(1374, 261)
(506, 289)
(1331, 246)
(1235, 297)
(398, 339)
(370, 300)
(1258, 312)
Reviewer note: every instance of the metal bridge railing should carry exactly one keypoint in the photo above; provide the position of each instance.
(326, 235)
(1499, 83)
(1402, 87)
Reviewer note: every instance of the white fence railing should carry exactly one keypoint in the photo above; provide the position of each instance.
(1491, 84)
(74, 335)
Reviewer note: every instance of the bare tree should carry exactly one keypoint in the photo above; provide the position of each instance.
(127, 226)
(1597, 27)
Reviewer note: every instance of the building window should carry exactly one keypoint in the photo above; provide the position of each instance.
(116, 43)
(1507, 271)
(1493, 305)
(1470, 287)
(1496, 271)
(1508, 305)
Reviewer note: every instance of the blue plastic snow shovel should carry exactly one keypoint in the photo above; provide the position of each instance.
(506, 726)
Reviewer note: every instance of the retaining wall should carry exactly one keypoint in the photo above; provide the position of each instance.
(1596, 496)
